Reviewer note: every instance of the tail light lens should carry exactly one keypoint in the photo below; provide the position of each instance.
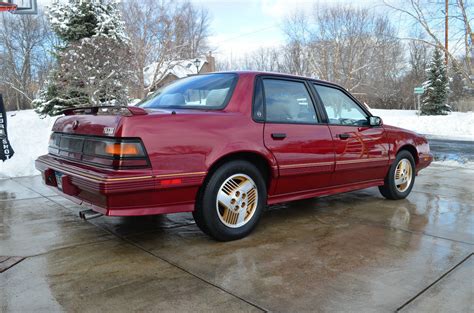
(117, 153)
(123, 149)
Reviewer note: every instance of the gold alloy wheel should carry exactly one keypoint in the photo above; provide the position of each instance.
(403, 175)
(237, 200)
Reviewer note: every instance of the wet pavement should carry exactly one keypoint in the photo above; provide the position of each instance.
(461, 151)
(355, 252)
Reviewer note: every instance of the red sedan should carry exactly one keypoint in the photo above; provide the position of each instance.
(225, 145)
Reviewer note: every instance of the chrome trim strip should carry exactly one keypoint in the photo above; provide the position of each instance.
(360, 160)
(302, 165)
(100, 179)
(180, 174)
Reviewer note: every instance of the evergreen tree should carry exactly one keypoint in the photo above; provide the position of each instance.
(436, 87)
(78, 19)
(91, 60)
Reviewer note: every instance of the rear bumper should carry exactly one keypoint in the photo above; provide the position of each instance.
(116, 193)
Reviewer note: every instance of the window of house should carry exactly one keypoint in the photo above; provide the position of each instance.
(340, 108)
(288, 102)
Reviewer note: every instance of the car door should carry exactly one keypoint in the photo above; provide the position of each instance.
(361, 150)
(302, 146)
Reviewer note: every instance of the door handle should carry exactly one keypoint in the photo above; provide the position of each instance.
(278, 136)
(344, 136)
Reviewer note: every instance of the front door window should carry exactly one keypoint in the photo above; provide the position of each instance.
(341, 109)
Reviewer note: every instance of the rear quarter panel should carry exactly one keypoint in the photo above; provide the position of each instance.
(190, 141)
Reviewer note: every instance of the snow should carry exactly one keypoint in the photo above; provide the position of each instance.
(455, 125)
(29, 135)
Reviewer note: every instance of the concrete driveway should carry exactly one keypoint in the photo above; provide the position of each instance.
(354, 252)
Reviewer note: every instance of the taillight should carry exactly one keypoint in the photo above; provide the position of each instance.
(123, 149)
(116, 153)
(53, 147)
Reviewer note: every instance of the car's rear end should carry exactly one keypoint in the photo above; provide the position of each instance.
(92, 161)
(153, 158)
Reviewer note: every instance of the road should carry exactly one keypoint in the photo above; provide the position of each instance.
(456, 150)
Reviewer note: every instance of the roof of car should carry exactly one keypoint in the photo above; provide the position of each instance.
(283, 75)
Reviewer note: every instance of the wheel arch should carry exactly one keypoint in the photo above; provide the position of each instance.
(262, 163)
(412, 149)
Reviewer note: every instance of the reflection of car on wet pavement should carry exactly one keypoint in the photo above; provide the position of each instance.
(224, 145)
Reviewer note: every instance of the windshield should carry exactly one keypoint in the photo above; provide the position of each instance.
(204, 92)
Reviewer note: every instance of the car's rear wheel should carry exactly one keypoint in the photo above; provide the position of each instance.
(400, 177)
(231, 202)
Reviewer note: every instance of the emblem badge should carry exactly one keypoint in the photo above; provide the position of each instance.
(75, 124)
(109, 131)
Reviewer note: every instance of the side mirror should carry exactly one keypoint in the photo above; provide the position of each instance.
(375, 121)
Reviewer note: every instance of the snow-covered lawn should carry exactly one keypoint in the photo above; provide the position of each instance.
(456, 125)
(29, 134)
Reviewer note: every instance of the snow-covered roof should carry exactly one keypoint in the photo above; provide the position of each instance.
(178, 68)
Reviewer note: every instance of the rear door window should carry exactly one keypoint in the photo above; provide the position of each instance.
(288, 102)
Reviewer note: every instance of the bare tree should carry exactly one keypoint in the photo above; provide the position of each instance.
(24, 61)
(191, 30)
(418, 59)
(351, 46)
(296, 52)
(429, 16)
(263, 59)
(161, 32)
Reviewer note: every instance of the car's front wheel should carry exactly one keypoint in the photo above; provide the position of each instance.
(231, 202)
(400, 177)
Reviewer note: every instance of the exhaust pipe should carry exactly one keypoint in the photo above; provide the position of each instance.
(89, 214)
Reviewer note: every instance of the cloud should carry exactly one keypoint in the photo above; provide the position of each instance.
(281, 8)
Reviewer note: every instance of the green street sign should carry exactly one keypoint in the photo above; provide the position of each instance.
(419, 90)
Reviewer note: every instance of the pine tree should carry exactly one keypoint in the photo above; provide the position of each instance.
(92, 68)
(436, 87)
(78, 19)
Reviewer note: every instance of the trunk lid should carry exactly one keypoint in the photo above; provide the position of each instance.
(95, 121)
(95, 136)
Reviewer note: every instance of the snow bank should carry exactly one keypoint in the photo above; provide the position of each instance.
(29, 136)
(456, 125)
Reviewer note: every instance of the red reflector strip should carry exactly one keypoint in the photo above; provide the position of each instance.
(168, 182)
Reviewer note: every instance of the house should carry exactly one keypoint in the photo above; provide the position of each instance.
(173, 70)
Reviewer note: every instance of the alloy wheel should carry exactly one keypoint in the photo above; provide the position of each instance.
(237, 200)
(403, 175)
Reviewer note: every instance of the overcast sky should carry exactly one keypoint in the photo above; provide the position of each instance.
(242, 26)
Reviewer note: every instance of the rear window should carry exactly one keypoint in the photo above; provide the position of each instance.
(206, 92)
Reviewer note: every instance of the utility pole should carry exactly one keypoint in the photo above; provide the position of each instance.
(446, 33)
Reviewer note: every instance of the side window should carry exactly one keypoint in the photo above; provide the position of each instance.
(287, 102)
(341, 109)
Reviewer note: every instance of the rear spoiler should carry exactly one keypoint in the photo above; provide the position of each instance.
(106, 110)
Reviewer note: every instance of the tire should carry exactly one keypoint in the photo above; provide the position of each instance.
(403, 168)
(242, 196)
(198, 216)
